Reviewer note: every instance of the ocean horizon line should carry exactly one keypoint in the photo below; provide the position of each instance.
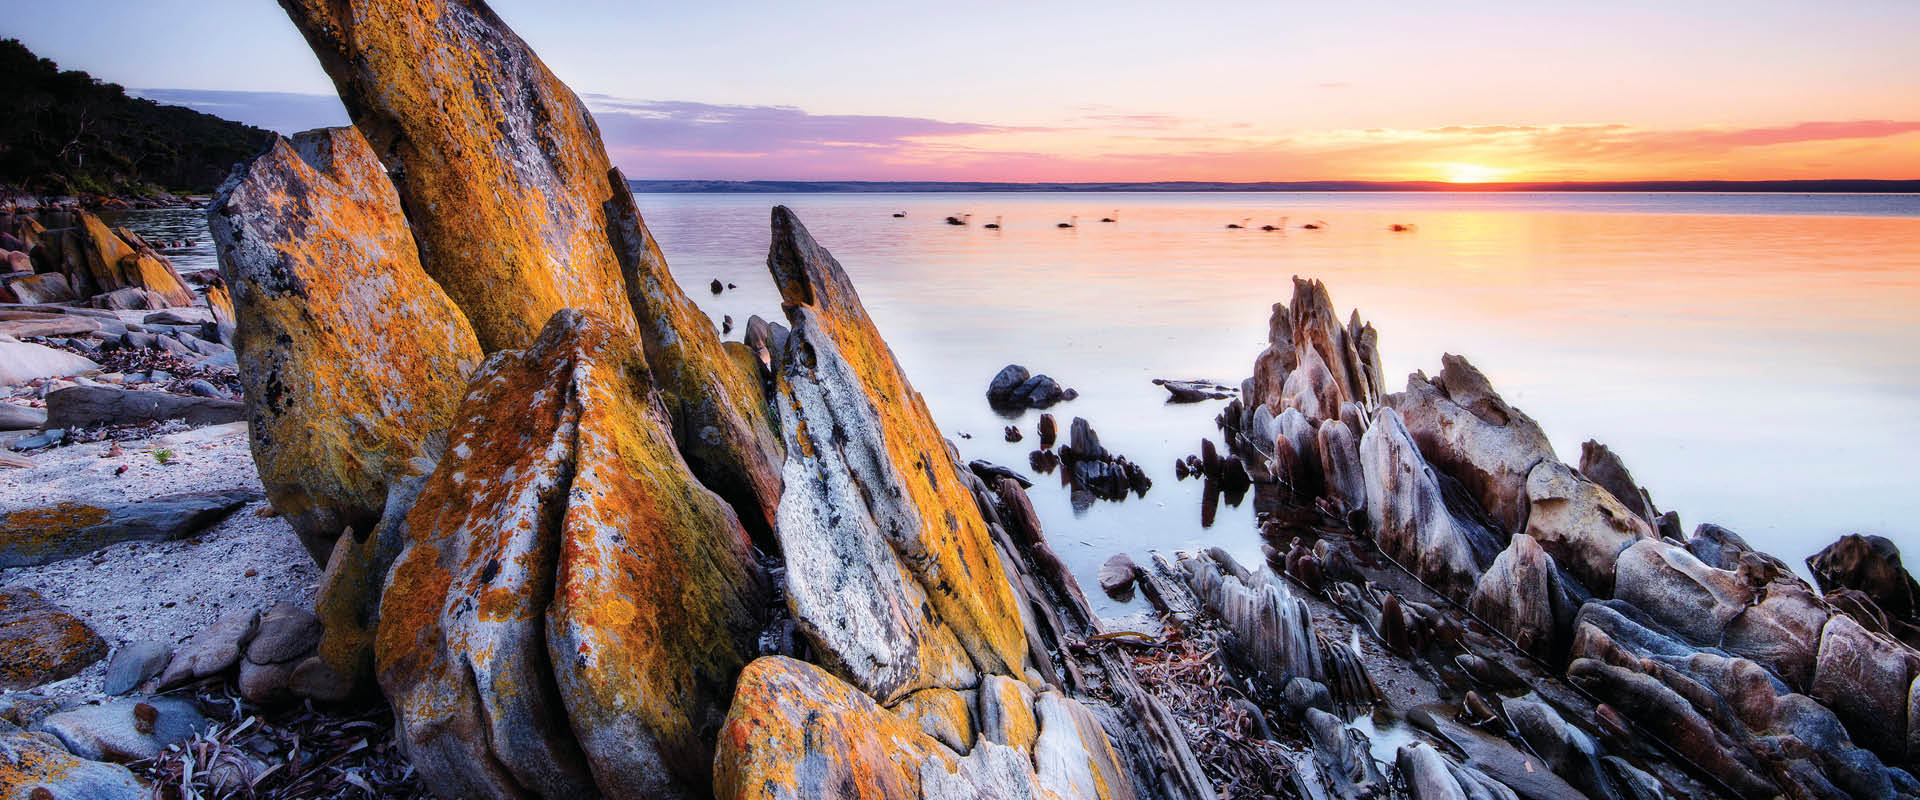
(1812, 186)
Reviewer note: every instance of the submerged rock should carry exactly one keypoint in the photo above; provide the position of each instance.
(350, 355)
(571, 605)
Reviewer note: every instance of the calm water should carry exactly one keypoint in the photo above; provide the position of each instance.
(1754, 358)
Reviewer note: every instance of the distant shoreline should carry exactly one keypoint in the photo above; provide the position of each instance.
(904, 187)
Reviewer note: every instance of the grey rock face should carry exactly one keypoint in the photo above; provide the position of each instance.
(212, 651)
(134, 664)
(32, 761)
(125, 730)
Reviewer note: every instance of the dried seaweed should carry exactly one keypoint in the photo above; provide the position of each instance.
(296, 752)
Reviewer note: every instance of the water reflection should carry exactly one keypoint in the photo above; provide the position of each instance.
(1713, 340)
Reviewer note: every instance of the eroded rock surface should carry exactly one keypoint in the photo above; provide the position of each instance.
(500, 163)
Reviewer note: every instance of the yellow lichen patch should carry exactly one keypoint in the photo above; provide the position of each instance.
(500, 163)
(796, 731)
(148, 270)
(657, 599)
(350, 355)
(1006, 713)
(27, 534)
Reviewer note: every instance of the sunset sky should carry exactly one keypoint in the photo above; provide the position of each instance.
(1466, 91)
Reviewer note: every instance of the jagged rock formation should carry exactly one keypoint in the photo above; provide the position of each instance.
(350, 355)
(507, 184)
(98, 260)
(571, 605)
(1705, 646)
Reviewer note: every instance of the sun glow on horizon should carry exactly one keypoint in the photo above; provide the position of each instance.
(1471, 173)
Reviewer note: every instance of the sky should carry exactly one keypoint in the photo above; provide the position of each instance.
(1121, 91)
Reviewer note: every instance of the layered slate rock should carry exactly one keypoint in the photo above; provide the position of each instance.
(1313, 363)
(1580, 523)
(1410, 517)
(34, 536)
(571, 606)
(351, 357)
(798, 732)
(500, 166)
(891, 572)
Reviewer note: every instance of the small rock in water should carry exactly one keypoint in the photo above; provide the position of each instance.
(1116, 574)
(1013, 433)
(716, 287)
(726, 324)
(1049, 430)
(1009, 378)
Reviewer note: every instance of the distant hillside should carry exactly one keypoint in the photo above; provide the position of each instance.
(67, 133)
(1804, 187)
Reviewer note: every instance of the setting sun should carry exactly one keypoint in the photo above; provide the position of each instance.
(1471, 173)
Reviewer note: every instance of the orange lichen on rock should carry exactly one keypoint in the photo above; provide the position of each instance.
(41, 642)
(798, 732)
(96, 260)
(571, 605)
(350, 355)
(844, 382)
(500, 166)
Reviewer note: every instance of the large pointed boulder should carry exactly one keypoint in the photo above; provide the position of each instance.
(351, 357)
(1467, 431)
(891, 571)
(1580, 524)
(571, 607)
(499, 164)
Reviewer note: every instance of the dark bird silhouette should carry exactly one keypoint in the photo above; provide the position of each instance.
(1400, 227)
(1238, 225)
(1114, 218)
(960, 220)
(1315, 225)
(1282, 227)
(995, 224)
(899, 214)
(1074, 221)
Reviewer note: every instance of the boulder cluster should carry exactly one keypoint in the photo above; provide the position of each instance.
(1699, 646)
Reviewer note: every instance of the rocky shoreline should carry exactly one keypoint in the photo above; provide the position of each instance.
(511, 519)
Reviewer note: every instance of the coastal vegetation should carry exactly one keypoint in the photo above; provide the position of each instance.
(64, 132)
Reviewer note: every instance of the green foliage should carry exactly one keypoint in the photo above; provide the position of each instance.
(163, 455)
(67, 133)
